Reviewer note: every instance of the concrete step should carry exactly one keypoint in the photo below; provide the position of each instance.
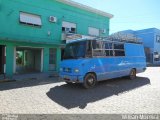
(2, 77)
(35, 76)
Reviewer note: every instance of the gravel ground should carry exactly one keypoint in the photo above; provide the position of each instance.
(51, 96)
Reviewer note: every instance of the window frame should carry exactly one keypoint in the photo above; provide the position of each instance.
(90, 27)
(119, 50)
(29, 23)
(68, 29)
(102, 51)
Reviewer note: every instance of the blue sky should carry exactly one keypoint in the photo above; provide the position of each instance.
(129, 14)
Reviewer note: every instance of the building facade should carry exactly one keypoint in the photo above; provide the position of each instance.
(151, 40)
(31, 32)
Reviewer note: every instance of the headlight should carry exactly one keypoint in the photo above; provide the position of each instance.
(76, 70)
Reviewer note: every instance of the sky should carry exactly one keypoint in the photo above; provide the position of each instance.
(128, 14)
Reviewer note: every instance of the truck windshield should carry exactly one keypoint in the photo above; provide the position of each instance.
(75, 50)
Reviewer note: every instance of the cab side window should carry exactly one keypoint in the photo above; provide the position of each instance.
(109, 49)
(98, 48)
(114, 49)
(89, 49)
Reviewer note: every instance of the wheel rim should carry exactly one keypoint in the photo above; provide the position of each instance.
(90, 81)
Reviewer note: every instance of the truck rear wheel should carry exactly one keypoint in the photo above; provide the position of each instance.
(132, 74)
(89, 81)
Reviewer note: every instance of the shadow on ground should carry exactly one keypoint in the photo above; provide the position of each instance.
(71, 96)
(8, 85)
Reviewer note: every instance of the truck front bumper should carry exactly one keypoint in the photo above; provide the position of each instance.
(72, 78)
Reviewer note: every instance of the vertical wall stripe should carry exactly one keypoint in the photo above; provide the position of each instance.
(9, 60)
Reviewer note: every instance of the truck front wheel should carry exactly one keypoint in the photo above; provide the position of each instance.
(89, 81)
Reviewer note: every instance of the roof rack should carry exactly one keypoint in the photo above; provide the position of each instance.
(71, 37)
(121, 37)
(116, 37)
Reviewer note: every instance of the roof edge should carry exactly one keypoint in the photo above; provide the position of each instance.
(85, 7)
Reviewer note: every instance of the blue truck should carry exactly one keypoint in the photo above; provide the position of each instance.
(88, 61)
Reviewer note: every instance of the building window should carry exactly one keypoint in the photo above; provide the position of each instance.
(93, 31)
(158, 38)
(30, 19)
(68, 27)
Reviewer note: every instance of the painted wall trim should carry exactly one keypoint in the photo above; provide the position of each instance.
(29, 41)
(85, 7)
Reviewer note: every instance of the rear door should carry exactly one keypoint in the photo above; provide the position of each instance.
(121, 62)
(2, 58)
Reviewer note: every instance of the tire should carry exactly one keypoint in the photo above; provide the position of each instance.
(89, 81)
(132, 74)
